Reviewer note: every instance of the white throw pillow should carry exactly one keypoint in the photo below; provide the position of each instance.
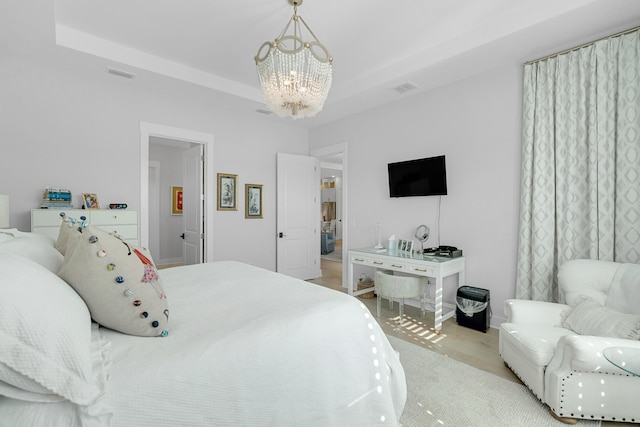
(624, 294)
(45, 336)
(36, 247)
(118, 282)
(588, 317)
(6, 234)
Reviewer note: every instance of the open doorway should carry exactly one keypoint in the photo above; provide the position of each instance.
(173, 203)
(333, 216)
(150, 234)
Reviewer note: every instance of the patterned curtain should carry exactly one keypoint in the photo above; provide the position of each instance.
(580, 189)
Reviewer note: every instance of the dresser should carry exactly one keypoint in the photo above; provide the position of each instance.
(415, 264)
(122, 222)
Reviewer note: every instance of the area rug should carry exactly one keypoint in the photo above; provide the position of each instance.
(445, 392)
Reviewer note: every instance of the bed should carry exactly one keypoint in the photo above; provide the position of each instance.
(241, 346)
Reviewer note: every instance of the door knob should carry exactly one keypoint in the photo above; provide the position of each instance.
(182, 236)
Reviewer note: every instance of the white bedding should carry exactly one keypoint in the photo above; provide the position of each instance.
(247, 347)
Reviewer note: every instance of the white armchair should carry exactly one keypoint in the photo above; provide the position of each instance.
(557, 349)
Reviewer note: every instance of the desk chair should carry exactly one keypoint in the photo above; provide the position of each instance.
(388, 285)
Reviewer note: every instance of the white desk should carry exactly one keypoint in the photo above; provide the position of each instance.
(420, 265)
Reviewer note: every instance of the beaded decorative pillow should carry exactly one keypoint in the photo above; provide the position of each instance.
(68, 227)
(118, 282)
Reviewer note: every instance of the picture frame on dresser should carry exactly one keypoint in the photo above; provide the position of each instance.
(90, 201)
(227, 192)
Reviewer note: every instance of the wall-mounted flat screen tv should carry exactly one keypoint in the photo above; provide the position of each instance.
(420, 177)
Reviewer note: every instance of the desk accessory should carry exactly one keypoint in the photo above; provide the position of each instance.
(422, 234)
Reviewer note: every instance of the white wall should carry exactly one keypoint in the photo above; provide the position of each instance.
(476, 123)
(69, 125)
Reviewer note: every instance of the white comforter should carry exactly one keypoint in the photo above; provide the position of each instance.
(249, 347)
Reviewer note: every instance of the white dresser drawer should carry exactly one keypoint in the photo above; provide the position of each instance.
(123, 223)
(51, 217)
(111, 217)
(51, 232)
(124, 231)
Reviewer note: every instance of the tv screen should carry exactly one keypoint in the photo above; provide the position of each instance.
(420, 177)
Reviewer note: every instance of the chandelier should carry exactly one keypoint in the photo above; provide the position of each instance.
(295, 74)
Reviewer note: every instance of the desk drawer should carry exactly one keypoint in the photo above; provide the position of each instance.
(391, 265)
(355, 259)
(423, 271)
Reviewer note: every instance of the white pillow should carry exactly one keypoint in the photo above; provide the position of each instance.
(624, 293)
(14, 232)
(25, 391)
(36, 247)
(588, 317)
(45, 331)
(6, 235)
(118, 282)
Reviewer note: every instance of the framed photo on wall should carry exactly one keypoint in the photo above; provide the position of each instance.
(227, 192)
(176, 200)
(90, 201)
(253, 201)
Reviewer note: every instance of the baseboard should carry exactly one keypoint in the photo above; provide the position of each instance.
(165, 261)
(494, 322)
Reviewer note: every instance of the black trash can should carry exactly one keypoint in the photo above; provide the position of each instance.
(473, 308)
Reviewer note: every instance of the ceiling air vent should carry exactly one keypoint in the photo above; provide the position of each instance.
(263, 111)
(405, 87)
(120, 73)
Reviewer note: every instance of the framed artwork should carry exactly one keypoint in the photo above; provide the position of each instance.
(253, 201)
(409, 246)
(176, 200)
(90, 201)
(227, 192)
(405, 245)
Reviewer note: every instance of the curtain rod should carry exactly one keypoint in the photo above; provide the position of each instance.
(621, 33)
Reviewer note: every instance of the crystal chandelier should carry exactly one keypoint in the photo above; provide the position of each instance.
(295, 74)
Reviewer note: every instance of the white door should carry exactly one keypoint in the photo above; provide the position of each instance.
(298, 216)
(192, 202)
